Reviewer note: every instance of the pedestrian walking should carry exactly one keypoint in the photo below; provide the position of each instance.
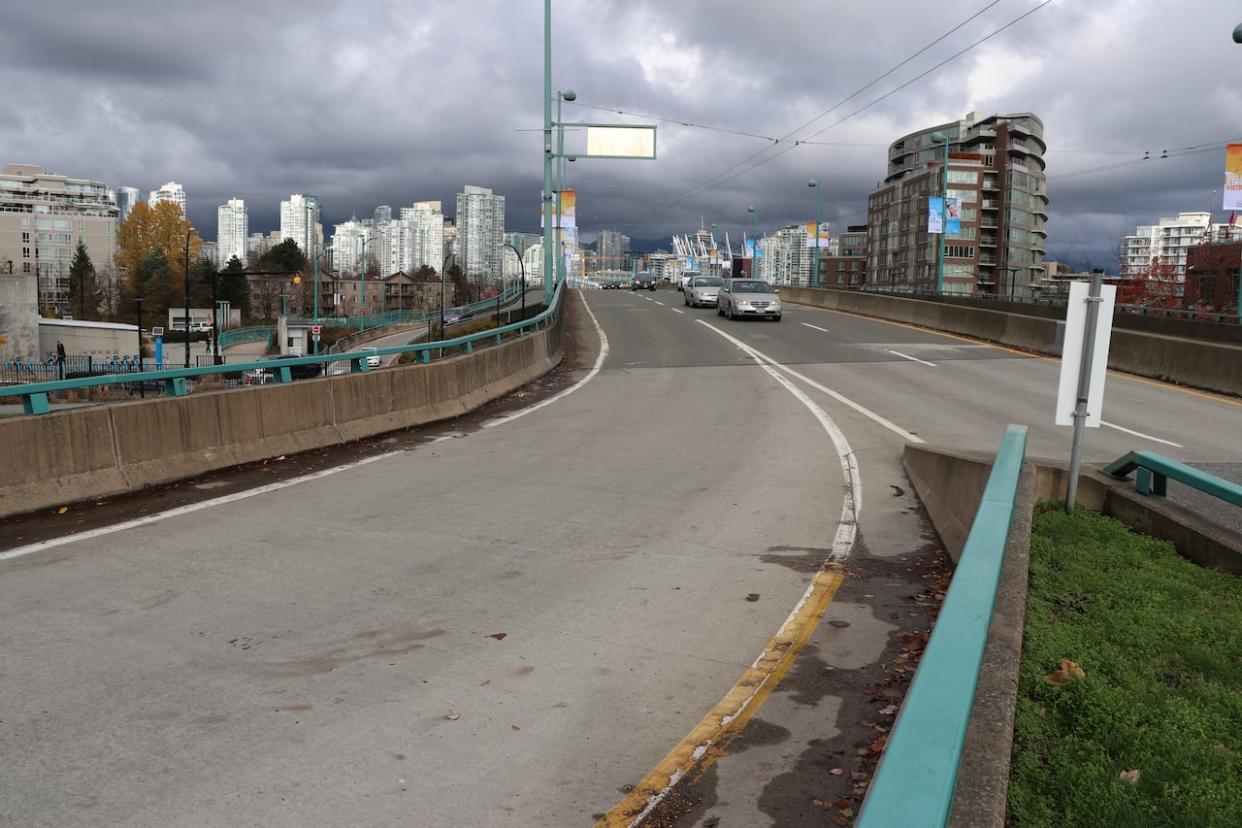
(60, 358)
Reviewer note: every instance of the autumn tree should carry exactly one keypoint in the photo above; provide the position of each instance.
(151, 254)
(85, 296)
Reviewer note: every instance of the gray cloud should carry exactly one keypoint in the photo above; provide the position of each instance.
(391, 102)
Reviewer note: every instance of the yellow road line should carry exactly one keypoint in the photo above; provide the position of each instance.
(1168, 386)
(732, 713)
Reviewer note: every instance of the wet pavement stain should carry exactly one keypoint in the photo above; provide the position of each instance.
(811, 560)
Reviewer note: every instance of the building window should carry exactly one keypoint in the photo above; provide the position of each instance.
(966, 196)
(963, 177)
(959, 251)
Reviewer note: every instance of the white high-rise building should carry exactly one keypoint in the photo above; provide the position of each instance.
(299, 220)
(1164, 245)
(480, 232)
(171, 191)
(786, 259)
(426, 222)
(125, 198)
(533, 260)
(349, 240)
(232, 231)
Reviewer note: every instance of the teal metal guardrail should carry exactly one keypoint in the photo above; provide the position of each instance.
(253, 333)
(35, 395)
(409, 317)
(914, 784)
(1153, 472)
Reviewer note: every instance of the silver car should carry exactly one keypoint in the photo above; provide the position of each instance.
(702, 290)
(739, 298)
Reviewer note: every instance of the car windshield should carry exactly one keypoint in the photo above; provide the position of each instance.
(751, 287)
(708, 281)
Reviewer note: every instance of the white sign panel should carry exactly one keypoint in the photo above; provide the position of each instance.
(621, 142)
(1071, 354)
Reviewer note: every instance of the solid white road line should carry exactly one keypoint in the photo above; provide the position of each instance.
(595, 369)
(866, 412)
(90, 534)
(1141, 434)
(912, 359)
(816, 327)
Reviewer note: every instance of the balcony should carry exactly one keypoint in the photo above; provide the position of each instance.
(987, 241)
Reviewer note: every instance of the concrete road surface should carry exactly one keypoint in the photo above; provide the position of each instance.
(518, 625)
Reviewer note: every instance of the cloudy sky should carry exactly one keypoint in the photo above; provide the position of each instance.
(377, 102)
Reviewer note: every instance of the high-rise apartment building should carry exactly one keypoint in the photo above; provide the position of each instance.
(172, 191)
(299, 220)
(350, 242)
(610, 249)
(43, 216)
(426, 222)
(125, 199)
(232, 231)
(786, 259)
(382, 214)
(996, 170)
(480, 232)
(1160, 249)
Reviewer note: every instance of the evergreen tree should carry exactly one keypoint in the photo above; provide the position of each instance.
(84, 293)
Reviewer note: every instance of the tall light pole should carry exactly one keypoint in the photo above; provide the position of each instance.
(941, 138)
(547, 153)
(754, 242)
(814, 185)
(362, 316)
(141, 388)
(187, 297)
(443, 281)
(566, 95)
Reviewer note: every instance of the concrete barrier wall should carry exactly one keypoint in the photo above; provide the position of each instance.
(1215, 366)
(89, 453)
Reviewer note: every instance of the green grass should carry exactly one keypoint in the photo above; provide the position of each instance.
(1160, 640)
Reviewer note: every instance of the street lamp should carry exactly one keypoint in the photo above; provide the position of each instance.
(362, 316)
(814, 185)
(521, 264)
(1013, 278)
(547, 154)
(443, 281)
(941, 138)
(565, 95)
(754, 242)
(187, 296)
(138, 303)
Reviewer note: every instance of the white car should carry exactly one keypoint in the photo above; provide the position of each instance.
(373, 361)
(201, 327)
(685, 279)
(740, 298)
(702, 290)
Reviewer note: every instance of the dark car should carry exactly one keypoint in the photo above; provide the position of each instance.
(297, 371)
(644, 281)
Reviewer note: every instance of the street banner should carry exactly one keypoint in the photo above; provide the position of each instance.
(568, 205)
(935, 214)
(1233, 177)
(953, 216)
(823, 234)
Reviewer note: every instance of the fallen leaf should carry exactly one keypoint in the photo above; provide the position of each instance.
(451, 716)
(62, 510)
(863, 751)
(1130, 776)
(849, 812)
(838, 623)
(752, 596)
(498, 636)
(819, 803)
(888, 711)
(837, 771)
(514, 727)
(840, 820)
(1069, 671)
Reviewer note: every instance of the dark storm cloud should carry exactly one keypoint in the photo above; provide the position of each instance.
(373, 103)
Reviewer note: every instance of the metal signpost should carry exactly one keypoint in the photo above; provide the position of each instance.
(1084, 366)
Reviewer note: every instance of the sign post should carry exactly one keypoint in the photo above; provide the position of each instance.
(1084, 366)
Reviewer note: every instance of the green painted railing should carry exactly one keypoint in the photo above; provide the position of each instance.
(254, 333)
(397, 317)
(913, 786)
(35, 395)
(1153, 472)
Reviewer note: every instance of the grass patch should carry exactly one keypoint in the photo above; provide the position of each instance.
(1160, 641)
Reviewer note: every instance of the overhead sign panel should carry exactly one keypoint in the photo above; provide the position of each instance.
(621, 141)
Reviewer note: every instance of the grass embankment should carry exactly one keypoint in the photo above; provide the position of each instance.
(1159, 643)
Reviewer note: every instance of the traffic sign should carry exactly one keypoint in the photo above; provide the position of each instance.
(316, 338)
(316, 330)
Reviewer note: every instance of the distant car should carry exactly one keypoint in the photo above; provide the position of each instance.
(703, 290)
(643, 281)
(373, 361)
(297, 371)
(454, 315)
(201, 327)
(739, 298)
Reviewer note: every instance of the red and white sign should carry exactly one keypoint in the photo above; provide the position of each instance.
(316, 329)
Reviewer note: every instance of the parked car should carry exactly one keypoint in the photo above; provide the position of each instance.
(373, 361)
(702, 290)
(739, 298)
(201, 327)
(643, 281)
(298, 371)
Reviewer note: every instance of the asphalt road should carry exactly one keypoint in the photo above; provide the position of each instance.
(515, 625)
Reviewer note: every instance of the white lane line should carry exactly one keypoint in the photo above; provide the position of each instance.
(1141, 434)
(146, 520)
(851, 502)
(866, 412)
(816, 327)
(674, 310)
(657, 301)
(912, 359)
(595, 369)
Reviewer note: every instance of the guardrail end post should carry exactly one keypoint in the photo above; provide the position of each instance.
(359, 366)
(35, 404)
(1142, 480)
(283, 374)
(469, 347)
(175, 386)
(426, 356)
(497, 339)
